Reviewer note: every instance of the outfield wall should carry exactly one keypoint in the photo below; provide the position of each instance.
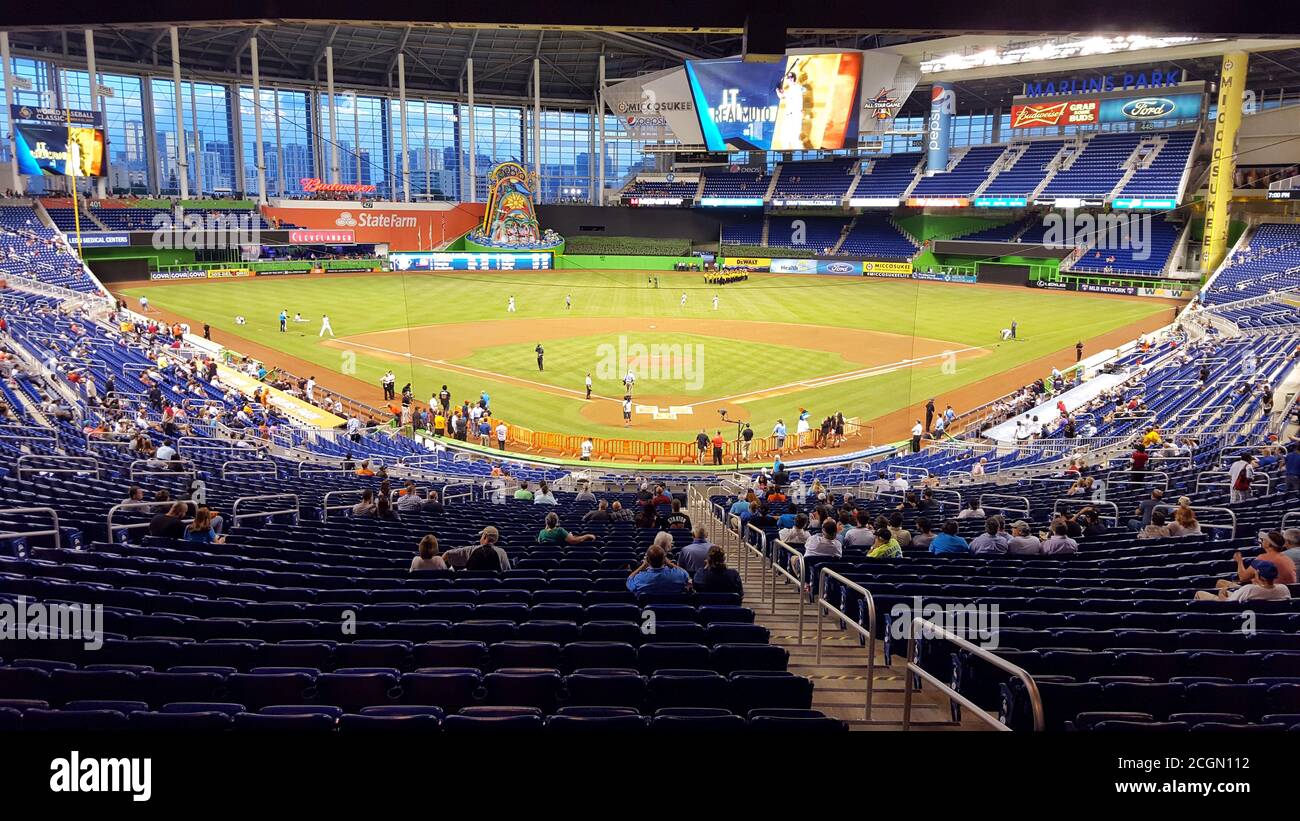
(657, 223)
(619, 261)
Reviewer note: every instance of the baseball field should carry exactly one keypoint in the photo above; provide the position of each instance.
(874, 349)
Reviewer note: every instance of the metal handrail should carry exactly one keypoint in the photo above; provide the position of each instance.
(1223, 475)
(188, 468)
(745, 547)
(263, 468)
(801, 580)
(151, 506)
(935, 631)
(1004, 508)
(868, 632)
(1287, 515)
(1198, 509)
(53, 531)
(1083, 502)
(1140, 477)
(450, 492)
(326, 507)
(296, 510)
(65, 464)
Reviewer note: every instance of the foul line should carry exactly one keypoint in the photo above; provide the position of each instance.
(739, 398)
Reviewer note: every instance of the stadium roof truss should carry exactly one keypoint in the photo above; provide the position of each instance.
(365, 55)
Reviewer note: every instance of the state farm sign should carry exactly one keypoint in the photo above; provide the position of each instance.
(400, 226)
(338, 237)
(377, 219)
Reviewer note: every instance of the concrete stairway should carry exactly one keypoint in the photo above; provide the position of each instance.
(840, 678)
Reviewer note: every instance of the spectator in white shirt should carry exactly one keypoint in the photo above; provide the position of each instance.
(973, 510)
(543, 496)
(825, 543)
(798, 534)
(900, 484)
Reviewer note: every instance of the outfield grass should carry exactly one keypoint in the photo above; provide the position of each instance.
(962, 314)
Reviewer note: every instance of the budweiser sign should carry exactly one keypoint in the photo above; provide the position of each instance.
(311, 185)
(323, 237)
(1039, 115)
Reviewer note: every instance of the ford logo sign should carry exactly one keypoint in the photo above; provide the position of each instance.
(840, 268)
(1148, 108)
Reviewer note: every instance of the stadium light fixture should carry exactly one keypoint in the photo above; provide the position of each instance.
(1054, 49)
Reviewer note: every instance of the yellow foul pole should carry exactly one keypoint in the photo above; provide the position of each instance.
(1223, 160)
(72, 172)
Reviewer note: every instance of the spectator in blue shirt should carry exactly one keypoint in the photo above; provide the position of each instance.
(657, 573)
(695, 555)
(1293, 468)
(741, 505)
(948, 541)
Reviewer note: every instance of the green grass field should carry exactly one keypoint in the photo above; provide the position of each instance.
(962, 315)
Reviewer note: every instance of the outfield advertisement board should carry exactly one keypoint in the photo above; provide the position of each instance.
(101, 239)
(165, 275)
(466, 261)
(842, 267)
(887, 268)
(944, 276)
(228, 273)
(1161, 292)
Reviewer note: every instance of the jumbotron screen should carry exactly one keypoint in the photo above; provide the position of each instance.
(804, 102)
(59, 151)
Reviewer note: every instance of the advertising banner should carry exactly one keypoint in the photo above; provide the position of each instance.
(401, 226)
(1000, 202)
(56, 116)
(1162, 292)
(887, 267)
(1049, 115)
(838, 268)
(1116, 110)
(943, 107)
(1144, 109)
(1223, 159)
(101, 239)
(802, 102)
(467, 261)
(165, 275)
(59, 151)
(937, 276)
(793, 266)
(749, 262)
(329, 236)
(229, 273)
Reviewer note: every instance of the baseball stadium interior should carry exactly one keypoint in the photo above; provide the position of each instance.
(731, 380)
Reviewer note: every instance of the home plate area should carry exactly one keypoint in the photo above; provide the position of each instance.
(658, 413)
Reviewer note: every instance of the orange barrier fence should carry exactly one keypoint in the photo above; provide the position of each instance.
(681, 452)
